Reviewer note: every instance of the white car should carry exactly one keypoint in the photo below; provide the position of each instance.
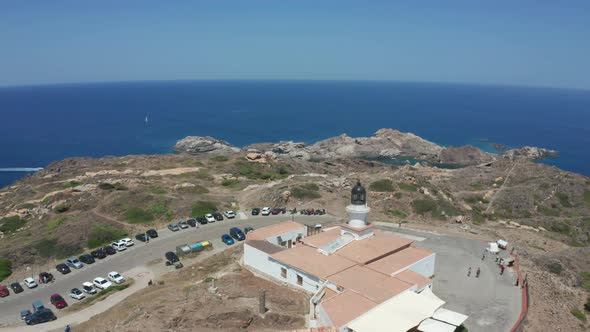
(128, 242)
(119, 245)
(77, 294)
(229, 214)
(88, 288)
(265, 211)
(101, 283)
(209, 217)
(116, 277)
(30, 282)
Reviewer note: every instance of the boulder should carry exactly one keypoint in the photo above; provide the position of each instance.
(530, 152)
(196, 145)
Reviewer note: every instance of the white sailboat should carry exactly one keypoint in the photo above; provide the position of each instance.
(146, 119)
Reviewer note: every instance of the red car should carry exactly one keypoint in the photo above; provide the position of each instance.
(4, 291)
(58, 301)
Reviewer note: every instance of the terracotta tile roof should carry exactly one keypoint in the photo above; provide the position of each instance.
(306, 258)
(346, 306)
(376, 286)
(322, 238)
(265, 246)
(400, 260)
(329, 294)
(274, 230)
(374, 247)
(413, 278)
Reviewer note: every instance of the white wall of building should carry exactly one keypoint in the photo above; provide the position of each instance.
(424, 266)
(262, 262)
(322, 316)
(292, 235)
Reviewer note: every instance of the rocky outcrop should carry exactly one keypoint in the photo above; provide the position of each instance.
(465, 155)
(204, 145)
(530, 152)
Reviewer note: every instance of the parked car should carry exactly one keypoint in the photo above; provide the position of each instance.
(119, 246)
(101, 283)
(4, 291)
(16, 287)
(58, 301)
(248, 230)
(202, 220)
(173, 227)
(77, 294)
(128, 242)
(41, 316)
(152, 233)
(30, 282)
(45, 277)
(109, 250)
(217, 216)
(255, 211)
(276, 211)
(171, 257)
(265, 211)
(98, 253)
(74, 262)
(63, 268)
(88, 288)
(86, 259)
(225, 238)
(237, 234)
(182, 224)
(142, 237)
(116, 277)
(38, 305)
(229, 214)
(24, 314)
(209, 217)
(192, 222)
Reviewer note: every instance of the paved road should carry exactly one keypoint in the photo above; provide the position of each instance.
(138, 255)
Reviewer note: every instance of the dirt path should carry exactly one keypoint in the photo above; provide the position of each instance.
(501, 187)
(104, 216)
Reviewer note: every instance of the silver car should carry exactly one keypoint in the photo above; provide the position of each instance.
(74, 262)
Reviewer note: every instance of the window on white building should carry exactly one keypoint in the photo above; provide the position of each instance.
(284, 273)
(299, 280)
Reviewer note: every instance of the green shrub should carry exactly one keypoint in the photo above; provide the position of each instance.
(11, 224)
(398, 213)
(229, 182)
(564, 199)
(61, 208)
(70, 184)
(203, 175)
(5, 268)
(157, 190)
(423, 206)
(586, 305)
(555, 268)
(477, 217)
(560, 227)
(587, 197)
(51, 248)
(461, 328)
(112, 186)
(585, 280)
(398, 195)
(203, 207)
(160, 209)
(475, 199)
(579, 315)
(257, 172)
(306, 191)
(102, 234)
(136, 215)
(54, 224)
(220, 158)
(384, 185)
(477, 186)
(550, 212)
(196, 189)
(407, 186)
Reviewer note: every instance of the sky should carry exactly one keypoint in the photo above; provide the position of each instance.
(525, 42)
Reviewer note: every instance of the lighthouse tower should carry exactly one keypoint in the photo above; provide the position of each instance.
(358, 211)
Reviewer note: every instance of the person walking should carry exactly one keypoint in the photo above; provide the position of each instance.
(477, 273)
(501, 269)
(68, 328)
(469, 272)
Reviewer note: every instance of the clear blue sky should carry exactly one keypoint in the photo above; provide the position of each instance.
(522, 42)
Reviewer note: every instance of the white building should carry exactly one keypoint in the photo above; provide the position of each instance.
(351, 269)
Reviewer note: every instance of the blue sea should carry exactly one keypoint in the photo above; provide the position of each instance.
(40, 124)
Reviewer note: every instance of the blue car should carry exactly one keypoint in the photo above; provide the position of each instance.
(227, 239)
(237, 234)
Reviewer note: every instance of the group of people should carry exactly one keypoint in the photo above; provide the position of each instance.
(476, 272)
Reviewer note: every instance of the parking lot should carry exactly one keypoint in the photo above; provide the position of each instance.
(492, 301)
(141, 254)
